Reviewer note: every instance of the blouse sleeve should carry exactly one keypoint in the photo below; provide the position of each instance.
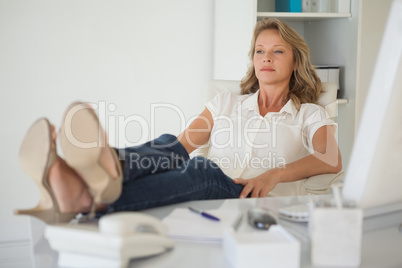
(314, 117)
(216, 105)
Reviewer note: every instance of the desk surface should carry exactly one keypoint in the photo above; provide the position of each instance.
(381, 245)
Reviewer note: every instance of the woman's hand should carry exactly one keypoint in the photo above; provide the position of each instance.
(259, 186)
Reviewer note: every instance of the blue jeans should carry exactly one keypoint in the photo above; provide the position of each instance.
(160, 173)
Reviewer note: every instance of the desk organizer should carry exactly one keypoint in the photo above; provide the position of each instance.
(336, 235)
(260, 248)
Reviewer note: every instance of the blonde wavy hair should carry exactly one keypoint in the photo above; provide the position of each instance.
(305, 85)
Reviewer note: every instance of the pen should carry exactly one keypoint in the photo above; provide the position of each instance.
(204, 214)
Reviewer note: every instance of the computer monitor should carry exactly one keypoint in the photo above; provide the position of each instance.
(374, 177)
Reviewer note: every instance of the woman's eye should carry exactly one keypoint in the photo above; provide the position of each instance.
(278, 51)
(259, 52)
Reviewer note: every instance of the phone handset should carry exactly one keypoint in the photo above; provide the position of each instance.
(139, 234)
(126, 223)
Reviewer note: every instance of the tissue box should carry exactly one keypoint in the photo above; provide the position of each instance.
(336, 236)
(288, 5)
(259, 248)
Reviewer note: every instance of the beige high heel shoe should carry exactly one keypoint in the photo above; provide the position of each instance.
(85, 149)
(36, 157)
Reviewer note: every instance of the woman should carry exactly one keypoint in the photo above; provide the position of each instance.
(265, 141)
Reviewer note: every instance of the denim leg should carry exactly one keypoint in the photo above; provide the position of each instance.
(159, 155)
(196, 179)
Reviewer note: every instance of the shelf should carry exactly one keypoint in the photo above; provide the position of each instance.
(342, 101)
(302, 16)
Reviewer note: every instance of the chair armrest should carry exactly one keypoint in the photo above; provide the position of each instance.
(320, 184)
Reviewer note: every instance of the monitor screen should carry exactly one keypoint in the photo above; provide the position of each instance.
(374, 177)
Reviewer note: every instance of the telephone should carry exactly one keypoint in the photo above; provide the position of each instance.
(144, 234)
(116, 239)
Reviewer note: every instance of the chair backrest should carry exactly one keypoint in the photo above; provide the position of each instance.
(327, 98)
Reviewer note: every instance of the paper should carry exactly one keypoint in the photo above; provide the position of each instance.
(185, 224)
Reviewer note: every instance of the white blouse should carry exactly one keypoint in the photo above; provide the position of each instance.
(244, 144)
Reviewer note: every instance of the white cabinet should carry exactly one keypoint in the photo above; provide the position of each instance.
(234, 24)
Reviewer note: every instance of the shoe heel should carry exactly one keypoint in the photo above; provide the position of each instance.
(50, 216)
(36, 157)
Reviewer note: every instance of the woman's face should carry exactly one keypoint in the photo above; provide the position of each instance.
(273, 59)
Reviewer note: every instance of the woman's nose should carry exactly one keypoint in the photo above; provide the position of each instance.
(267, 59)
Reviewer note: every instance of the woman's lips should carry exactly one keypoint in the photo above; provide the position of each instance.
(267, 69)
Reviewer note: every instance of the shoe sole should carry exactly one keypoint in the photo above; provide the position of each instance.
(82, 140)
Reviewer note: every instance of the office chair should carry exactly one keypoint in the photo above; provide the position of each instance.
(318, 184)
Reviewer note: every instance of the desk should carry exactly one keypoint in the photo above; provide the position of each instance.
(381, 244)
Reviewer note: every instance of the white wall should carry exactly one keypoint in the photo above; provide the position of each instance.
(371, 29)
(128, 53)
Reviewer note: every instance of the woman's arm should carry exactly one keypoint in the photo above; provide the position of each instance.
(325, 159)
(198, 133)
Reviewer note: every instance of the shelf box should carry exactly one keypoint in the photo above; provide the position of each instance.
(288, 5)
(343, 6)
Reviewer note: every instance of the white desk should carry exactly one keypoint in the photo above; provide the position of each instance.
(381, 245)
